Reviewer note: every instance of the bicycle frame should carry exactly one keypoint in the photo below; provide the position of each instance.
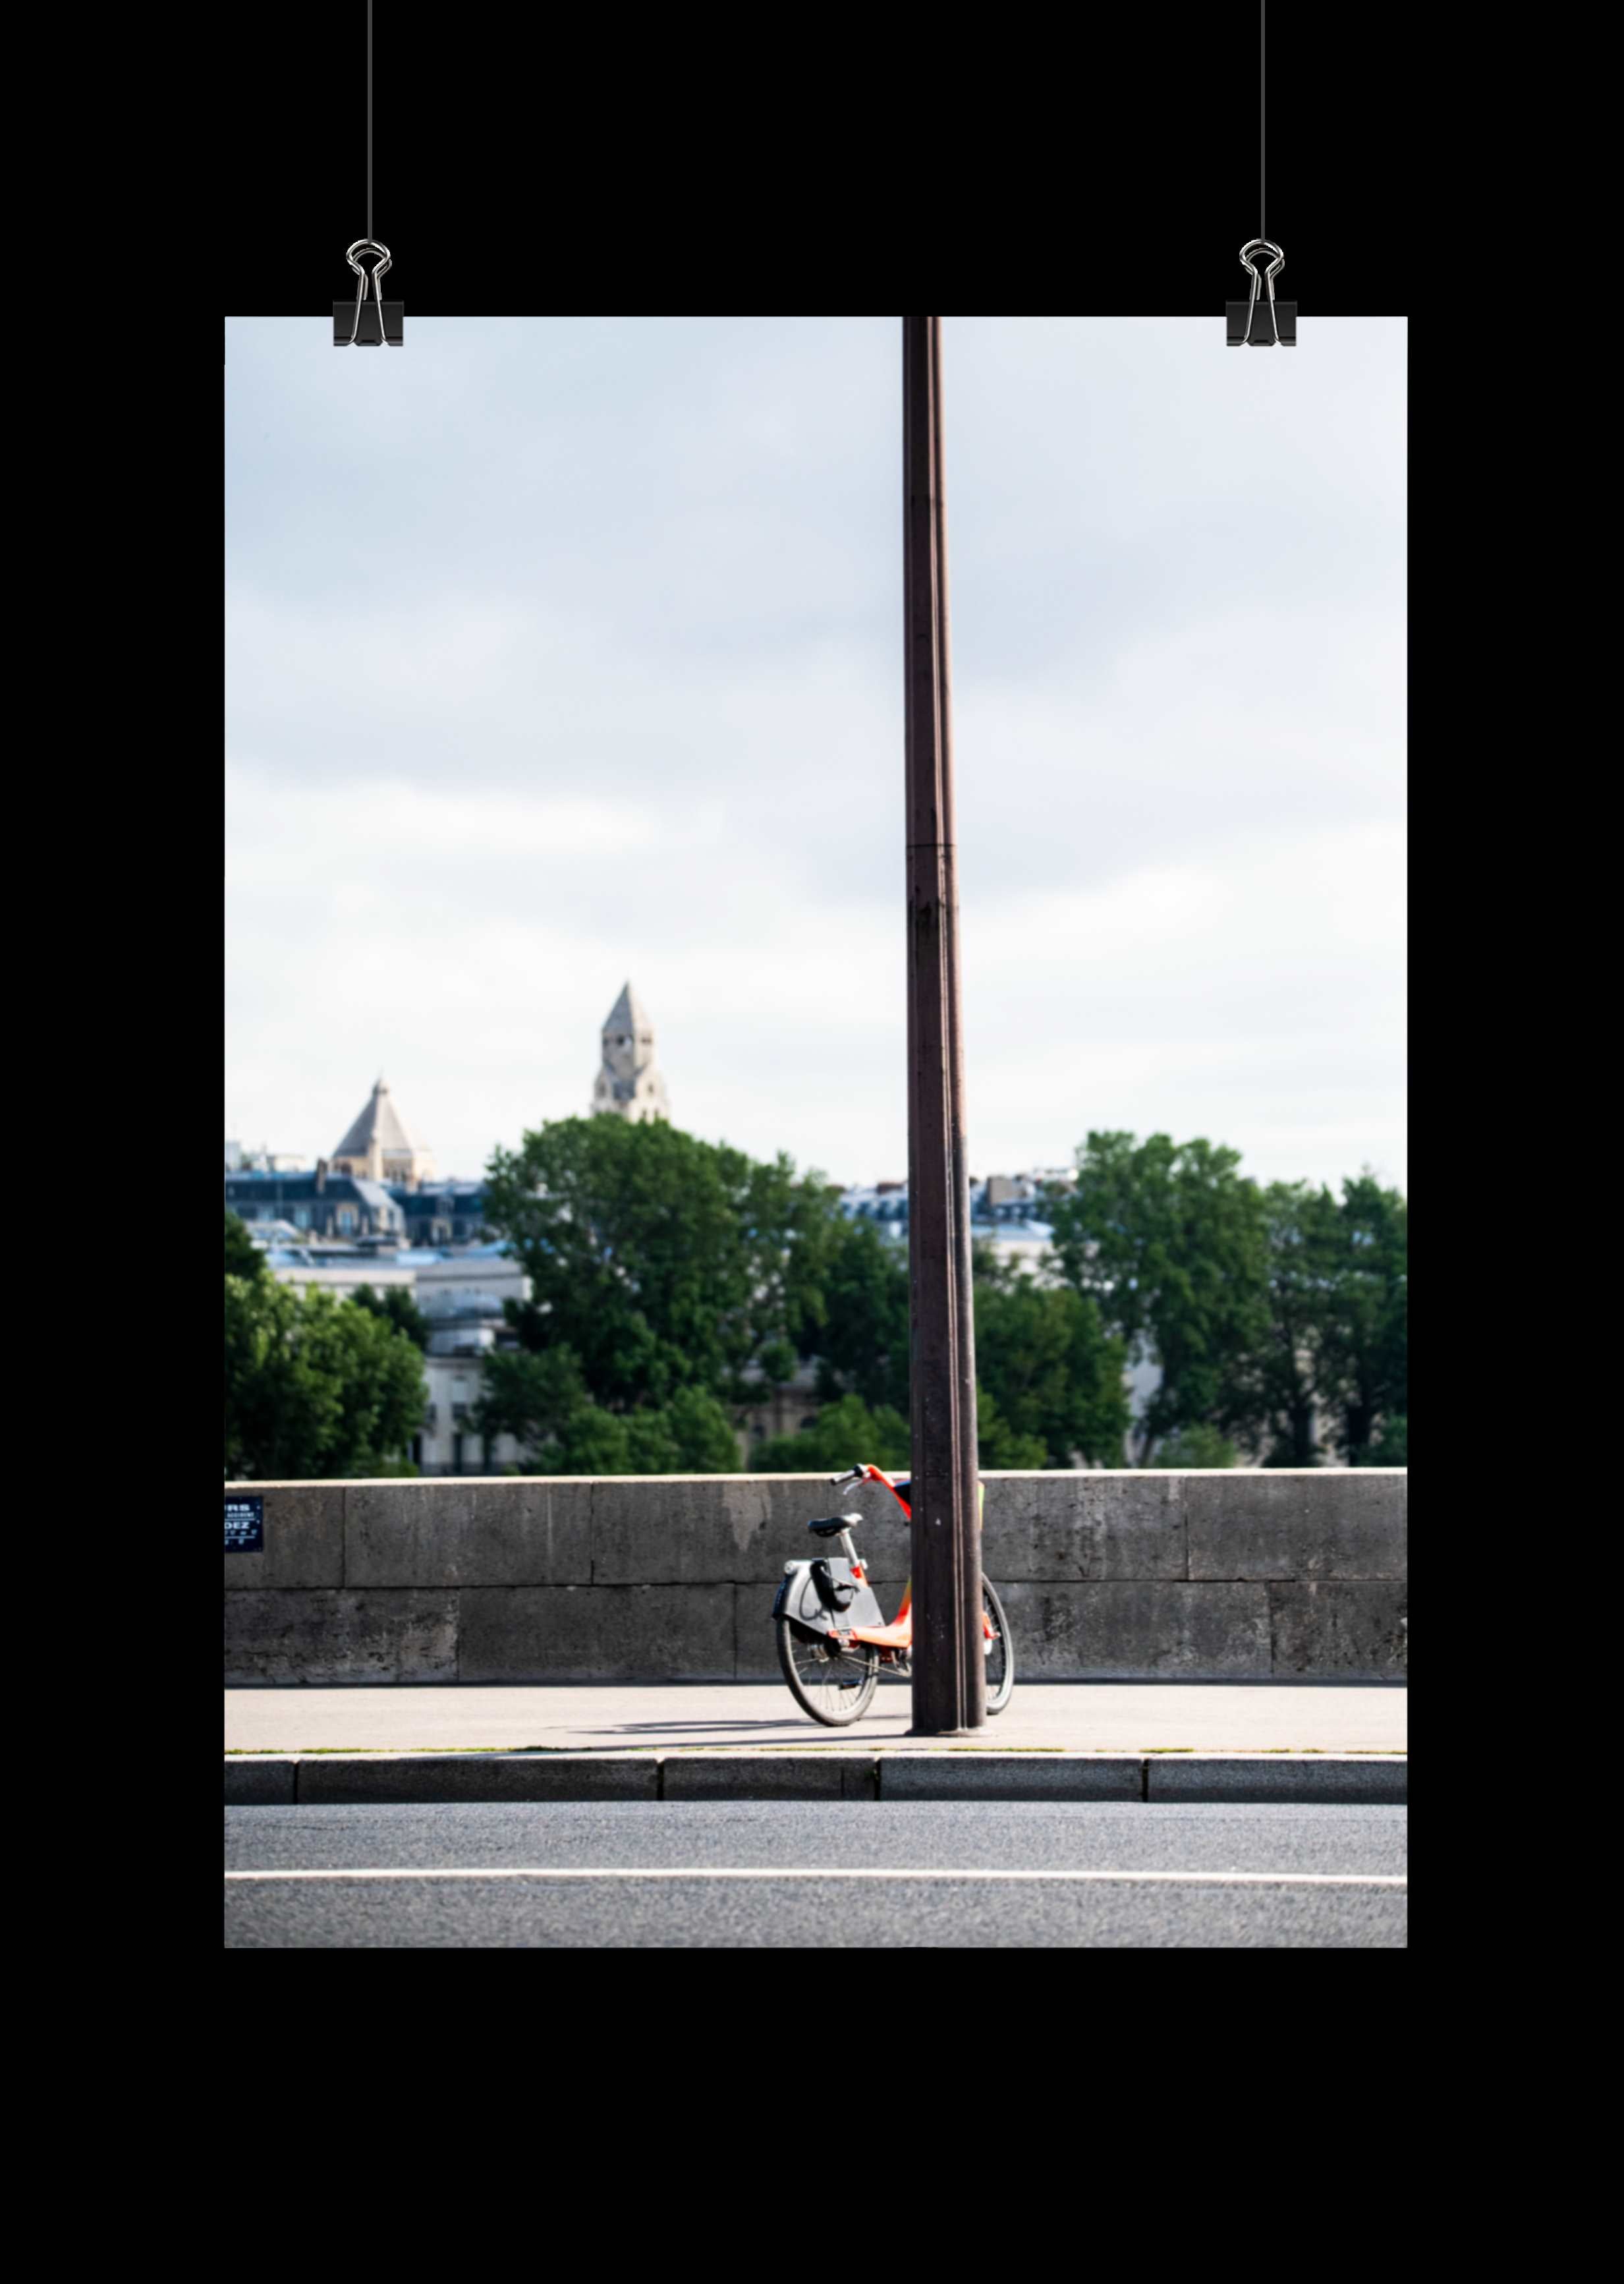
(830, 1631)
(896, 1639)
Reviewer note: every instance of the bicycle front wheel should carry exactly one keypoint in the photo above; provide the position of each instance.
(835, 1686)
(1000, 1651)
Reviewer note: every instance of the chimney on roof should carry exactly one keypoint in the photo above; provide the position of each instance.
(321, 1177)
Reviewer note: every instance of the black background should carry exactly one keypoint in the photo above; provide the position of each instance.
(1101, 162)
(1094, 162)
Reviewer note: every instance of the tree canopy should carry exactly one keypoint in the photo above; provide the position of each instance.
(1169, 1240)
(661, 1262)
(243, 1257)
(675, 1282)
(314, 1386)
(395, 1305)
(1278, 1315)
(852, 1313)
(541, 1398)
(671, 1279)
(1050, 1375)
(846, 1431)
(665, 1268)
(1364, 1338)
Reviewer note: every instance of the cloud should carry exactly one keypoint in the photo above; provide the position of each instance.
(565, 650)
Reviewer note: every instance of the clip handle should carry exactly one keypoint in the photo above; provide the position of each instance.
(1255, 246)
(369, 245)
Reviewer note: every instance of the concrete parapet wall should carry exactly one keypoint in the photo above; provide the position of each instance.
(1226, 1575)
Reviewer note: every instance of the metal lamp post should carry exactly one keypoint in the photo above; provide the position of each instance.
(949, 1681)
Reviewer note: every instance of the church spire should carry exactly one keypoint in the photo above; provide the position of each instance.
(629, 1083)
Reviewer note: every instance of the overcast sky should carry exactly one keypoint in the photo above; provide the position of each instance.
(567, 651)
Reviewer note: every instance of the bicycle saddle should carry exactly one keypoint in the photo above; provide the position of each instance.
(831, 1525)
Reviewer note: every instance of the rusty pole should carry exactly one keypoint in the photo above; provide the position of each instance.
(949, 1680)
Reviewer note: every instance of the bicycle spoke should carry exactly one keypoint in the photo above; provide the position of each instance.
(829, 1674)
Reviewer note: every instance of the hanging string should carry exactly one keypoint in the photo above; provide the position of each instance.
(1263, 60)
(369, 118)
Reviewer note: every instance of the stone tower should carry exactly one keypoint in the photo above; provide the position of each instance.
(379, 1146)
(628, 1084)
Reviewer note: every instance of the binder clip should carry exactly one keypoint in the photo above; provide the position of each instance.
(1281, 332)
(368, 324)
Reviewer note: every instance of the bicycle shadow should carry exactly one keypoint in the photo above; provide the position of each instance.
(787, 1730)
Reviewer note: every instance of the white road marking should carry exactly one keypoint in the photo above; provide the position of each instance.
(1178, 1878)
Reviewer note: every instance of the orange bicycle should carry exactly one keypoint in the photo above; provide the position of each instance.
(834, 1640)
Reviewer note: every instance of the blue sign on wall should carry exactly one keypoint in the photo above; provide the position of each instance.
(245, 1525)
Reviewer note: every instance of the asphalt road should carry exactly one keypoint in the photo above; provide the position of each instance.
(816, 1874)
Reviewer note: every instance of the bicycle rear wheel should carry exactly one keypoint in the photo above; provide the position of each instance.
(1000, 1651)
(835, 1686)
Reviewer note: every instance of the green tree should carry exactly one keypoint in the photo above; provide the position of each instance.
(1332, 1365)
(1046, 1366)
(1289, 1360)
(852, 1313)
(529, 1395)
(999, 1443)
(591, 1441)
(848, 1430)
(1169, 1240)
(1391, 1448)
(690, 1435)
(661, 1261)
(397, 1307)
(1196, 1446)
(845, 1431)
(314, 1387)
(243, 1257)
(1365, 1343)
(542, 1401)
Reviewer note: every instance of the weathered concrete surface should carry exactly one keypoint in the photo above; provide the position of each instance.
(254, 1783)
(314, 1636)
(1316, 1523)
(448, 1533)
(1134, 1627)
(768, 1776)
(987, 1773)
(1094, 1717)
(596, 1633)
(1369, 1780)
(1223, 1574)
(1085, 1526)
(1322, 1628)
(424, 1777)
(698, 1531)
(941, 1775)
(304, 1538)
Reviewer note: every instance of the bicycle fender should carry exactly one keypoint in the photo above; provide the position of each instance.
(798, 1597)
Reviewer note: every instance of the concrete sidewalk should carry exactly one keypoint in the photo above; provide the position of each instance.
(1059, 1742)
(742, 1717)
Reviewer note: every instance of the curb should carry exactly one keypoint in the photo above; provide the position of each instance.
(1251, 1779)
(354, 1780)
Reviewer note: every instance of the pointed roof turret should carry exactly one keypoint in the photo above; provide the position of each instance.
(629, 1083)
(628, 1013)
(381, 1122)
